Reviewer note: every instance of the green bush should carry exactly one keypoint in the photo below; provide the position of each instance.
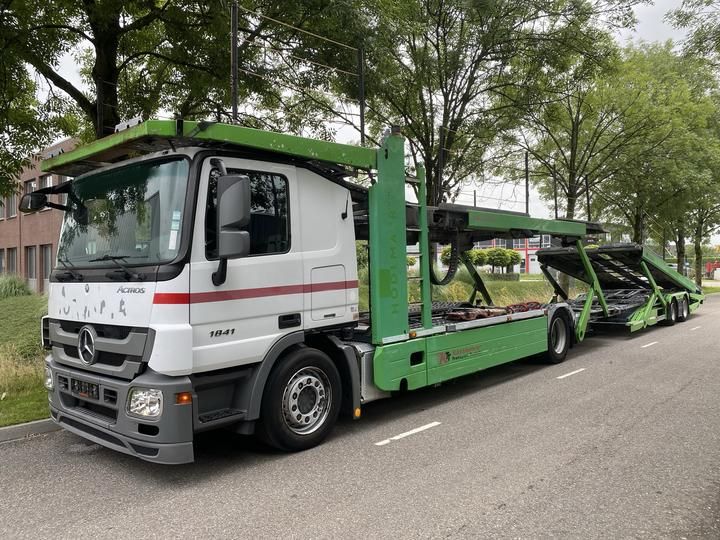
(361, 250)
(12, 285)
(478, 257)
(410, 261)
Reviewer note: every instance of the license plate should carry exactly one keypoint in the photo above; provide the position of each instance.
(84, 389)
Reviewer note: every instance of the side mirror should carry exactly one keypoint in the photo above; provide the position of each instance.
(233, 213)
(233, 193)
(32, 202)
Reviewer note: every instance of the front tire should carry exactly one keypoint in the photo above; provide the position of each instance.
(558, 340)
(301, 401)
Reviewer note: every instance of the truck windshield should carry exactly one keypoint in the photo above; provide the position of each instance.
(133, 213)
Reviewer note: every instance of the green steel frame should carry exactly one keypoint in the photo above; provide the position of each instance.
(96, 151)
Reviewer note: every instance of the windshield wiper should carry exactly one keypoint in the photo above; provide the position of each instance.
(70, 272)
(129, 274)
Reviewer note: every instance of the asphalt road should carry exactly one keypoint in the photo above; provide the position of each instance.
(629, 447)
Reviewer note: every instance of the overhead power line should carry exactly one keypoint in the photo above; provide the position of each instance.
(298, 29)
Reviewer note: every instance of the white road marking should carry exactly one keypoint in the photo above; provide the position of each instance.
(408, 433)
(694, 328)
(649, 344)
(571, 373)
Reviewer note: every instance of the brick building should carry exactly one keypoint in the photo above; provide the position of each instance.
(28, 242)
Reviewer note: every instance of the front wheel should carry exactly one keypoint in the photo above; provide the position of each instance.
(558, 340)
(301, 401)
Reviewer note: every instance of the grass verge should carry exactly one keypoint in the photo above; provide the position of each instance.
(710, 290)
(22, 394)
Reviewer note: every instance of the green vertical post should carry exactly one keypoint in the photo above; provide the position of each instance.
(425, 292)
(388, 251)
(595, 284)
(651, 280)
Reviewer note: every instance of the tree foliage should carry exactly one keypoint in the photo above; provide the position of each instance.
(455, 74)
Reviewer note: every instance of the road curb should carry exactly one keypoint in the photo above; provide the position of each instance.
(23, 431)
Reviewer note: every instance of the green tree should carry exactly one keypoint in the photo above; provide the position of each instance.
(141, 57)
(478, 257)
(660, 183)
(514, 258)
(498, 257)
(455, 73)
(599, 126)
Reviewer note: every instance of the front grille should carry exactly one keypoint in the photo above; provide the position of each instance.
(120, 349)
(107, 358)
(109, 331)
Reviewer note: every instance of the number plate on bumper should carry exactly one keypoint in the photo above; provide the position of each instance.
(84, 389)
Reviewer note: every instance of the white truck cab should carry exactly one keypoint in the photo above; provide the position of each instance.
(145, 348)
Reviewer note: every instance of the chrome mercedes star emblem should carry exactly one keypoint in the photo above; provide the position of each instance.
(86, 345)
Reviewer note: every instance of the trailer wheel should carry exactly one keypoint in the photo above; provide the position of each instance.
(671, 313)
(684, 310)
(558, 339)
(301, 401)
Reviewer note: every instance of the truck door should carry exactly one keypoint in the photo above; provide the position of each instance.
(237, 322)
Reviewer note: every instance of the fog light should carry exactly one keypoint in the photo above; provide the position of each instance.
(145, 402)
(49, 378)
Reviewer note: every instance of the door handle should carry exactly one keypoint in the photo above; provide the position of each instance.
(289, 321)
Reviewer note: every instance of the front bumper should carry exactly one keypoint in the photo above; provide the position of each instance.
(103, 419)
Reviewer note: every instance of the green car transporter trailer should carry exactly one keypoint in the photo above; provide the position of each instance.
(398, 346)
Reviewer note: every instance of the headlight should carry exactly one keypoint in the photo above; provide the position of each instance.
(49, 378)
(145, 402)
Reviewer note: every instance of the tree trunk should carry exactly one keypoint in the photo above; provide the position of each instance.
(105, 24)
(564, 279)
(571, 202)
(680, 246)
(638, 227)
(697, 240)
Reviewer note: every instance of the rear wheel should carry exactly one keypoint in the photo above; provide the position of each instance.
(558, 340)
(671, 313)
(301, 401)
(684, 309)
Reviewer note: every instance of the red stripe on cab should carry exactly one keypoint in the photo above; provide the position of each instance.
(245, 294)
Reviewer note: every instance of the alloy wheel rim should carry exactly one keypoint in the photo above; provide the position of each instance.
(306, 400)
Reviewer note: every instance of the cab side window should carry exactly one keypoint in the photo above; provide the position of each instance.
(269, 226)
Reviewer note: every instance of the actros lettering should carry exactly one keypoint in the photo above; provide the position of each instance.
(131, 290)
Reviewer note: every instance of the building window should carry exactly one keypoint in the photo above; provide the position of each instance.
(518, 243)
(534, 242)
(47, 182)
(500, 242)
(47, 260)
(30, 186)
(62, 197)
(31, 262)
(11, 260)
(2, 261)
(2, 209)
(11, 205)
(31, 267)
(546, 240)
